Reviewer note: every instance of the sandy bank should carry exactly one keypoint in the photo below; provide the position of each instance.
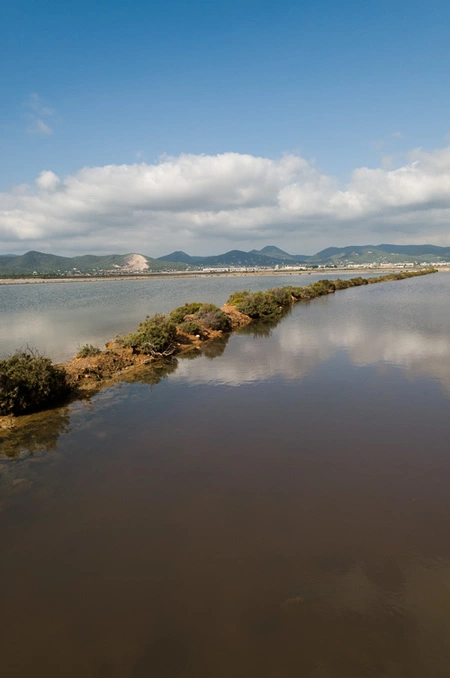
(199, 274)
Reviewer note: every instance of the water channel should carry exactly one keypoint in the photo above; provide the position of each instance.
(277, 507)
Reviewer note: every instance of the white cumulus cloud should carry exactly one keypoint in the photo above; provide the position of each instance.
(203, 203)
(47, 181)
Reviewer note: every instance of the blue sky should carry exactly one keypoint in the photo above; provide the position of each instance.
(140, 87)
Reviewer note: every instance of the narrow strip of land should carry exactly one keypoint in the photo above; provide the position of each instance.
(37, 280)
(30, 383)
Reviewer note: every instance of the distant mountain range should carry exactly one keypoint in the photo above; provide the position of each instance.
(38, 263)
(337, 256)
(268, 256)
(381, 254)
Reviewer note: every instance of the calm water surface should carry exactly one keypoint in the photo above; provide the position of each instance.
(276, 508)
(58, 318)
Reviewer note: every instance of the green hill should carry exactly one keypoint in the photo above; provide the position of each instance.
(39, 263)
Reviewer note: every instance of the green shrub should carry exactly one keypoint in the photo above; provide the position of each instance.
(178, 314)
(256, 304)
(356, 282)
(208, 315)
(154, 335)
(296, 292)
(282, 295)
(30, 382)
(305, 293)
(236, 298)
(322, 287)
(213, 318)
(87, 351)
(190, 327)
(342, 284)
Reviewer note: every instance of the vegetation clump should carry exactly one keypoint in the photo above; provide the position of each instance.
(191, 327)
(156, 335)
(213, 318)
(179, 314)
(29, 382)
(270, 304)
(209, 316)
(88, 351)
(257, 305)
(342, 284)
(322, 287)
(282, 295)
(355, 282)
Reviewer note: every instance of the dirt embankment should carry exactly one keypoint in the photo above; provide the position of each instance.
(97, 369)
(88, 375)
(92, 372)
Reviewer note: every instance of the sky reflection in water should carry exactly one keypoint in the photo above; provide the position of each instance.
(281, 510)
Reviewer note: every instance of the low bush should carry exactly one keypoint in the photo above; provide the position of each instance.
(213, 318)
(87, 351)
(154, 335)
(255, 304)
(208, 315)
(342, 284)
(322, 287)
(304, 293)
(356, 282)
(282, 295)
(236, 298)
(30, 382)
(190, 327)
(296, 292)
(316, 289)
(178, 314)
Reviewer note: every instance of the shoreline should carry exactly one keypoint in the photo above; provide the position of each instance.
(209, 274)
(87, 375)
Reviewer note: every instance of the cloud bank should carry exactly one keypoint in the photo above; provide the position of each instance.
(205, 203)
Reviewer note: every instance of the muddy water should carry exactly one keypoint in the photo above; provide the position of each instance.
(279, 510)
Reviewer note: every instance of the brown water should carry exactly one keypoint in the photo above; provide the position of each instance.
(282, 510)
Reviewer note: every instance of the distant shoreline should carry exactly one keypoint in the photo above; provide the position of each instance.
(156, 342)
(209, 274)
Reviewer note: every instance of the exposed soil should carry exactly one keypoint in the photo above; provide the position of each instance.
(90, 373)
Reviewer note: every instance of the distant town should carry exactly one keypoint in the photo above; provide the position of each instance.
(269, 259)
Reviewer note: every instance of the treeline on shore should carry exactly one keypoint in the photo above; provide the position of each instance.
(30, 382)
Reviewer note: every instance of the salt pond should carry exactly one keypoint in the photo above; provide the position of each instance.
(277, 507)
